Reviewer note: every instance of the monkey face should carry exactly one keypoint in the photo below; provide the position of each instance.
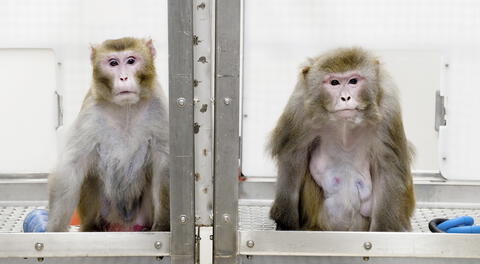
(122, 68)
(344, 91)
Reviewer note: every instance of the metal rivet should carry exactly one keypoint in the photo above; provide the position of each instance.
(40, 259)
(227, 100)
(183, 219)
(181, 101)
(159, 258)
(39, 246)
(158, 244)
(366, 258)
(447, 65)
(249, 256)
(250, 243)
(211, 237)
(226, 218)
(367, 245)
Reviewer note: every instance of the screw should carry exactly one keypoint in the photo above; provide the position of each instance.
(226, 218)
(181, 102)
(40, 259)
(227, 100)
(250, 243)
(183, 219)
(366, 258)
(39, 246)
(158, 244)
(367, 245)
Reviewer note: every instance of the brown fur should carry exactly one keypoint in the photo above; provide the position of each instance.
(299, 200)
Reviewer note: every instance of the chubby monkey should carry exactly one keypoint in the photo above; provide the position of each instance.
(342, 156)
(114, 166)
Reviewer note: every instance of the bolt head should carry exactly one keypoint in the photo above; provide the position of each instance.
(226, 218)
(181, 102)
(39, 246)
(183, 219)
(250, 243)
(158, 244)
(227, 101)
(367, 245)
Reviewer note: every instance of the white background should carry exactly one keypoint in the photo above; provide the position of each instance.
(280, 35)
(68, 28)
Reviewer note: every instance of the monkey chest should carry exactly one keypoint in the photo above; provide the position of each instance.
(345, 179)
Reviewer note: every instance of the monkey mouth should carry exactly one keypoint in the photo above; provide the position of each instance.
(126, 92)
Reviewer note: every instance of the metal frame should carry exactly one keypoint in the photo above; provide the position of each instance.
(226, 172)
(124, 244)
(359, 244)
(182, 179)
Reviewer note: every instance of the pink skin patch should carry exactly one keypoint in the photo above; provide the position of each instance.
(123, 228)
(344, 89)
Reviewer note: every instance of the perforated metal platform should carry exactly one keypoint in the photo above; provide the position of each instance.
(254, 215)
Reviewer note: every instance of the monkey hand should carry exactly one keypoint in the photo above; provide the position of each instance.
(285, 218)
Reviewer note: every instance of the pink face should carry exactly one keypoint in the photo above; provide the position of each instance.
(344, 90)
(122, 68)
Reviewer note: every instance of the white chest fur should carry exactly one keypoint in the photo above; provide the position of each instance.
(340, 166)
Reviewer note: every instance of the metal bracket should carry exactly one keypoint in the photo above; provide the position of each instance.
(439, 111)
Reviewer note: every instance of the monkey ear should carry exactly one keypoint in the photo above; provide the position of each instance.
(149, 44)
(93, 52)
(305, 70)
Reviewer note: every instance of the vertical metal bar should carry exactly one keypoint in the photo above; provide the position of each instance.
(180, 48)
(203, 127)
(227, 69)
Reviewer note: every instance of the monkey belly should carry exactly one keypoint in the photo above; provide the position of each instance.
(347, 192)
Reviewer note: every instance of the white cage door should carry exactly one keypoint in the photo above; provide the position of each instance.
(28, 110)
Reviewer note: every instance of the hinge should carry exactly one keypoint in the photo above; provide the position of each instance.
(439, 111)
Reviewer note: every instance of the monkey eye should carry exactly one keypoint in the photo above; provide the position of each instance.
(131, 60)
(353, 81)
(113, 63)
(334, 82)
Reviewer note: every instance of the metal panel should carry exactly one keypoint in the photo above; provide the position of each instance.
(180, 37)
(84, 244)
(350, 260)
(227, 61)
(371, 244)
(203, 127)
(89, 260)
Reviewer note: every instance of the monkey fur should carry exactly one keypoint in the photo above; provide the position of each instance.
(114, 166)
(346, 169)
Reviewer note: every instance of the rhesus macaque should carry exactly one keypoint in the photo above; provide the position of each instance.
(343, 159)
(115, 163)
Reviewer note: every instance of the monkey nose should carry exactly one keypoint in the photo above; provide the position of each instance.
(345, 98)
(123, 79)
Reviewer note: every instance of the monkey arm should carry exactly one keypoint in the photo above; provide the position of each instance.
(64, 193)
(394, 200)
(285, 208)
(160, 191)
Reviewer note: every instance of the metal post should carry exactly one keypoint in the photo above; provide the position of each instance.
(226, 168)
(180, 48)
(203, 127)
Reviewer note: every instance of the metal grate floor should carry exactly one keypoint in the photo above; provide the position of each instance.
(253, 215)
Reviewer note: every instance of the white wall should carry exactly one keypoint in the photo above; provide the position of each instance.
(280, 35)
(69, 27)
